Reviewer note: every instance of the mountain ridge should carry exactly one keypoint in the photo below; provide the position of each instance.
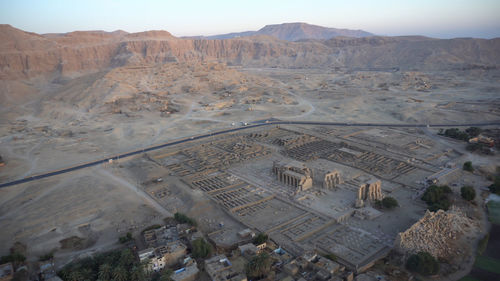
(293, 32)
(24, 55)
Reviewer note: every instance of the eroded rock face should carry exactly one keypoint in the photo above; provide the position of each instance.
(443, 234)
(25, 55)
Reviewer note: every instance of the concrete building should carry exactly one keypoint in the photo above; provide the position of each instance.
(326, 265)
(161, 236)
(291, 268)
(246, 233)
(172, 252)
(248, 249)
(163, 256)
(156, 263)
(188, 273)
(219, 268)
(261, 247)
(146, 254)
(293, 173)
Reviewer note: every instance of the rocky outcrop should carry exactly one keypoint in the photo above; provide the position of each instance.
(439, 233)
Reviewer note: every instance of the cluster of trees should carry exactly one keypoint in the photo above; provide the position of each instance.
(468, 193)
(388, 203)
(260, 238)
(201, 248)
(473, 131)
(16, 256)
(479, 147)
(423, 263)
(182, 218)
(436, 197)
(126, 238)
(468, 167)
(465, 136)
(259, 266)
(455, 133)
(117, 265)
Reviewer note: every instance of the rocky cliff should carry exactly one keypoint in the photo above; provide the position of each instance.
(24, 54)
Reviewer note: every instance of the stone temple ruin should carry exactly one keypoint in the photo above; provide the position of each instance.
(328, 180)
(254, 179)
(369, 191)
(293, 173)
(299, 176)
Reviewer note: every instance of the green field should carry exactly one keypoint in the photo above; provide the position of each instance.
(494, 211)
(487, 263)
(469, 278)
(486, 266)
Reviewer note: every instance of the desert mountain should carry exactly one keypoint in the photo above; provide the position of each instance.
(24, 54)
(296, 31)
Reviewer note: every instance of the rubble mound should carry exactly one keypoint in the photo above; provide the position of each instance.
(439, 233)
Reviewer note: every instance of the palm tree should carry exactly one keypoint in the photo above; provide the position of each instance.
(137, 274)
(75, 275)
(126, 258)
(120, 274)
(105, 272)
(259, 266)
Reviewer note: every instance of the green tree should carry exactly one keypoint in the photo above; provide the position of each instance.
(120, 274)
(260, 238)
(331, 257)
(166, 274)
(468, 193)
(423, 263)
(389, 202)
(87, 274)
(456, 134)
(436, 197)
(468, 167)
(105, 272)
(201, 248)
(127, 258)
(182, 218)
(473, 131)
(259, 266)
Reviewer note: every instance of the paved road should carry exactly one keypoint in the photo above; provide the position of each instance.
(271, 123)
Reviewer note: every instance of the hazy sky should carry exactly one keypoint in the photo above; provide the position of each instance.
(435, 18)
